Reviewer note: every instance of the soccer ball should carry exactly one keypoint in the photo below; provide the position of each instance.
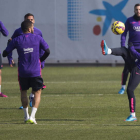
(118, 27)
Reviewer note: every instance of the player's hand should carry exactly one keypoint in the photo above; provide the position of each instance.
(11, 65)
(130, 44)
(9, 40)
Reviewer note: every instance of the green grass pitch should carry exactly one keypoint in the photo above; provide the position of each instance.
(79, 103)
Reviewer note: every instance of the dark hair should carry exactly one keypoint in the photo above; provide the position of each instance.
(25, 25)
(27, 15)
(138, 4)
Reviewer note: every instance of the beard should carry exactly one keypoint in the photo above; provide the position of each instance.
(136, 17)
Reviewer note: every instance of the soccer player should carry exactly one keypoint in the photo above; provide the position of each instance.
(29, 66)
(5, 32)
(132, 26)
(18, 32)
(132, 60)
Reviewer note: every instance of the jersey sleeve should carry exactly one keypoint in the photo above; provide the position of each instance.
(41, 34)
(11, 46)
(14, 34)
(123, 36)
(10, 58)
(43, 44)
(135, 53)
(3, 29)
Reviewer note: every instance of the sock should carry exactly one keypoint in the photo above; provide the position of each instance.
(0, 88)
(31, 95)
(33, 112)
(133, 114)
(109, 51)
(26, 114)
(123, 86)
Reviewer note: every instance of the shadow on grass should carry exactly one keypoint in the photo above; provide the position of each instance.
(59, 120)
(14, 121)
(128, 125)
(10, 123)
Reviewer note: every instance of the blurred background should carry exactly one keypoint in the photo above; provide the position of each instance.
(72, 28)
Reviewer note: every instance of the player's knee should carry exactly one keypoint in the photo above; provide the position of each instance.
(25, 104)
(130, 91)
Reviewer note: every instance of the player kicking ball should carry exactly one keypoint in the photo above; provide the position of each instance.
(29, 66)
(132, 59)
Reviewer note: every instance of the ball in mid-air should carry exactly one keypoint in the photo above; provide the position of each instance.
(118, 27)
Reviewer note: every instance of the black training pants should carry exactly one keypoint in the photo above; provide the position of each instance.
(124, 75)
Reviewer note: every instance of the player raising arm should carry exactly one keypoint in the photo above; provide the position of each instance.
(3, 29)
(28, 46)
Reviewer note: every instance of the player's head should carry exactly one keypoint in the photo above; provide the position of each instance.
(137, 9)
(30, 17)
(27, 26)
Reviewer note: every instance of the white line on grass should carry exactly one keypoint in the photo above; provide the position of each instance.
(68, 124)
(76, 95)
(73, 95)
(86, 124)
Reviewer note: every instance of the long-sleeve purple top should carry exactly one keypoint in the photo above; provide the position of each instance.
(3, 29)
(28, 46)
(132, 25)
(19, 32)
(136, 55)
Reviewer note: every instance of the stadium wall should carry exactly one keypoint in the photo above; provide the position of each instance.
(72, 28)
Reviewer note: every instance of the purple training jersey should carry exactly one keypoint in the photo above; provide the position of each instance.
(19, 32)
(28, 46)
(132, 26)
